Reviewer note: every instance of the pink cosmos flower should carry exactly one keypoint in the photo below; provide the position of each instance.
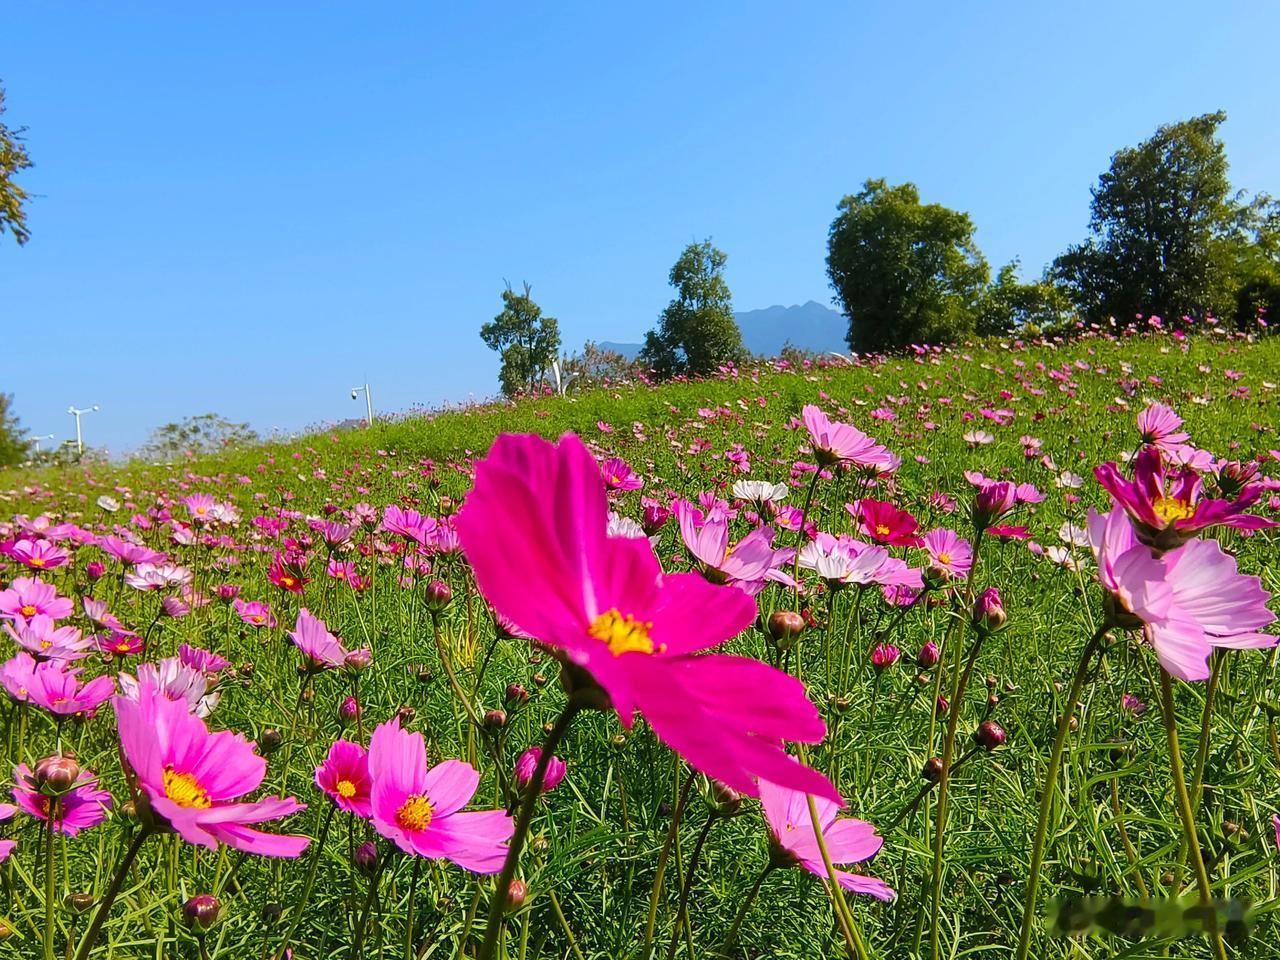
(156, 576)
(619, 476)
(57, 689)
(749, 564)
(1187, 600)
(835, 442)
(198, 505)
(1161, 427)
(173, 680)
(948, 553)
(120, 644)
(344, 777)
(190, 778)
(255, 613)
(885, 523)
(16, 674)
(844, 560)
(26, 597)
(848, 840)
(534, 528)
(38, 554)
(288, 572)
(317, 644)
(81, 807)
(46, 640)
(409, 523)
(420, 809)
(96, 610)
(527, 766)
(205, 661)
(7, 810)
(130, 553)
(1166, 508)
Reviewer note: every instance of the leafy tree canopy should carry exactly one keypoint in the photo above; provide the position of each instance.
(13, 160)
(193, 436)
(15, 448)
(526, 341)
(697, 331)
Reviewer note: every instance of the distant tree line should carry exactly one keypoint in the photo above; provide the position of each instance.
(1168, 236)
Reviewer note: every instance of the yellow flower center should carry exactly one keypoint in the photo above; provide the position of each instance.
(414, 813)
(46, 644)
(36, 561)
(257, 618)
(882, 530)
(944, 558)
(202, 510)
(28, 610)
(346, 789)
(1171, 510)
(623, 634)
(185, 791)
(122, 646)
(286, 581)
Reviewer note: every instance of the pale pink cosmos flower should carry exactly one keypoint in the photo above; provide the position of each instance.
(1187, 601)
(749, 564)
(949, 553)
(835, 442)
(96, 610)
(39, 554)
(321, 648)
(787, 814)
(45, 640)
(57, 688)
(255, 613)
(173, 680)
(15, 676)
(1161, 427)
(130, 553)
(27, 596)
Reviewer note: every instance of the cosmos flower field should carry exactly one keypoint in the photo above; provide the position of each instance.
(963, 653)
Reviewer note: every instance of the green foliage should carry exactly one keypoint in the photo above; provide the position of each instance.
(1165, 229)
(594, 364)
(200, 435)
(1011, 305)
(525, 339)
(904, 272)
(13, 160)
(14, 447)
(696, 333)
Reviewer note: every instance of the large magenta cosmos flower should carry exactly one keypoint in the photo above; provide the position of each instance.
(344, 777)
(885, 523)
(848, 840)
(420, 809)
(1187, 601)
(191, 778)
(27, 597)
(535, 531)
(1166, 506)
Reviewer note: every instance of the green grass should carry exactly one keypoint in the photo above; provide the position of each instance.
(599, 859)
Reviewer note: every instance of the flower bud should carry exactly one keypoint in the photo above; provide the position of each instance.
(943, 704)
(269, 741)
(365, 859)
(989, 735)
(928, 656)
(79, 902)
(988, 611)
(201, 911)
(358, 660)
(655, 517)
(439, 594)
(495, 719)
(722, 800)
(932, 770)
(884, 656)
(405, 714)
(992, 502)
(6, 930)
(516, 895)
(527, 765)
(57, 774)
(349, 710)
(94, 569)
(516, 695)
(227, 591)
(785, 626)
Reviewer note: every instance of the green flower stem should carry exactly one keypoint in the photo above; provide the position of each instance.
(731, 938)
(1184, 808)
(845, 918)
(1050, 784)
(676, 816)
(308, 885)
(113, 890)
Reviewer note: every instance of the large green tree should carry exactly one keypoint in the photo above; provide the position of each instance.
(14, 445)
(526, 341)
(1010, 305)
(1166, 230)
(904, 271)
(13, 160)
(697, 332)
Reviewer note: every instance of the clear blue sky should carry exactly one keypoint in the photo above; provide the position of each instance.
(250, 210)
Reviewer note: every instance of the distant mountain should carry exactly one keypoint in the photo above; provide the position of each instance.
(809, 326)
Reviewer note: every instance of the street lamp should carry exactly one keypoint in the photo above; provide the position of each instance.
(368, 400)
(36, 440)
(78, 413)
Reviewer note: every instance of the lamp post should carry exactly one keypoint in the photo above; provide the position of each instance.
(368, 401)
(36, 440)
(78, 413)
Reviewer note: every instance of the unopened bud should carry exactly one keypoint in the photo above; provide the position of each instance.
(988, 611)
(785, 626)
(928, 656)
(989, 735)
(932, 770)
(269, 741)
(439, 595)
(516, 695)
(365, 859)
(201, 911)
(78, 902)
(349, 710)
(57, 774)
(516, 895)
(884, 656)
(495, 719)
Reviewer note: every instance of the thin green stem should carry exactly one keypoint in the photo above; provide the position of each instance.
(113, 890)
(682, 915)
(1185, 811)
(564, 924)
(496, 906)
(845, 918)
(676, 815)
(308, 885)
(1050, 785)
(48, 880)
(731, 938)
(1217, 659)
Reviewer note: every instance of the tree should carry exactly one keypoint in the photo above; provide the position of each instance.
(526, 341)
(15, 448)
(1165, 229)
(696, 333)
(1009, 305)
(595, 364)
(192, 436)
(903, 272)
(13, 160)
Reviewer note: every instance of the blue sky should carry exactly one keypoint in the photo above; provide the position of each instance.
(251, 210)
